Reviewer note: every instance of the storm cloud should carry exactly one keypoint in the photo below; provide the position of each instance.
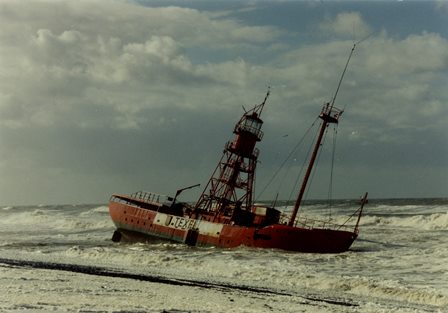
(99, 97)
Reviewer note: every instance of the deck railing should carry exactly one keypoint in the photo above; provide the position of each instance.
(251, 129)
(310, 223)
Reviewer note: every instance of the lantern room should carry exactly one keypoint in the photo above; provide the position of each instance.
(248, 132)
(251, 124)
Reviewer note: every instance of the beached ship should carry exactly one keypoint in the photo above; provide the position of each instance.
(225, 214)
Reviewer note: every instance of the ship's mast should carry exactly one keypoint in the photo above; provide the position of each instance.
(329, 115)
(231, 185)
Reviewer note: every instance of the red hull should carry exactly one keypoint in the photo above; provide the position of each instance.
(136, 223)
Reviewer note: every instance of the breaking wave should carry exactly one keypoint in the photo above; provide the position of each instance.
(398, 260)
(435, 221)
(249, 266)
(61, 218)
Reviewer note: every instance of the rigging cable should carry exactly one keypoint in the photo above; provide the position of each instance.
(293, 151)
(296, 183)
(333, 153)
(345, 68)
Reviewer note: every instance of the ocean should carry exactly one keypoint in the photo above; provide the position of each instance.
(60, 258)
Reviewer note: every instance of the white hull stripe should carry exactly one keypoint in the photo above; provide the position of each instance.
(178, 222)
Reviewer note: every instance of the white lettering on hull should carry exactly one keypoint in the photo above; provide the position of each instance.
(178, 222)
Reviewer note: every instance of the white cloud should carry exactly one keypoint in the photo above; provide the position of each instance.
(110, 54)
(98, 68)
(347, 25)
(113, 61)
(415, 54)
(441, 5)
(393, 89)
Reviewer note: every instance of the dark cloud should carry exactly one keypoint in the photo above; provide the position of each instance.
(109, 97)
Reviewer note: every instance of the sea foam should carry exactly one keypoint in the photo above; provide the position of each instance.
(435, 221)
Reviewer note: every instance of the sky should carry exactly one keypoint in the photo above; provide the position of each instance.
(102, 97)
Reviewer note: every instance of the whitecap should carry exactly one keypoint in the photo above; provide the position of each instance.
(435, 221)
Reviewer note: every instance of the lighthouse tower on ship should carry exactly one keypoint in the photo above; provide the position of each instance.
(230, 189)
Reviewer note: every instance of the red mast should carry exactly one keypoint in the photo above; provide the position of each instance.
(231, 186)
(329, 114)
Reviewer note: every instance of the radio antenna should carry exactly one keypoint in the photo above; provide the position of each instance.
(346, 66)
